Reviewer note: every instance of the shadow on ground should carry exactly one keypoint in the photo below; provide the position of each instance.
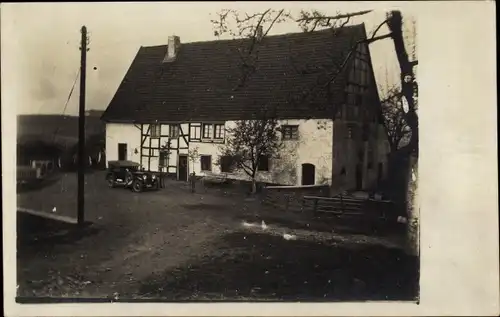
(40, 232)
(253, 266)
(36, 185)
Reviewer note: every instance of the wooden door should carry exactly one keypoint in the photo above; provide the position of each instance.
(380, 172)
(308, 174)
(122, 151)
(183, 168)
(359, 177)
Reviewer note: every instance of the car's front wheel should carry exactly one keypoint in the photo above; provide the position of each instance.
(137, 186)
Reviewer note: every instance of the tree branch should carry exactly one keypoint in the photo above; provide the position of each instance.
(272, 23)
(247, 169)
(371, 40)
(340, 16)
(378, 28)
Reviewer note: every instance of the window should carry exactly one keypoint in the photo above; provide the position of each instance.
(290, 132)
(364, 76)
(208, 130)
(366, 132)
(226, 164)
(195, 133)
(340, 112)
(213, 131)
(349, 133)
(174, 131)
(206, 162)
(219, 131)
(155, 130)
(263, 163)
(358, 100)
(351, 99)
(350, 113)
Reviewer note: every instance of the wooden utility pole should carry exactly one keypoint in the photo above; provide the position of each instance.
(81, 130)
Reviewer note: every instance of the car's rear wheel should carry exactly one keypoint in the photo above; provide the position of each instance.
(137, 186)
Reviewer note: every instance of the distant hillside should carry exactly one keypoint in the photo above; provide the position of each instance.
(48, 126)
(53, 137)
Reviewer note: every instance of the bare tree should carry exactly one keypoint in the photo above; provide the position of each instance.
(409, 87)
(251, 141)
(193, 155)
(398, 131)
(258, 25)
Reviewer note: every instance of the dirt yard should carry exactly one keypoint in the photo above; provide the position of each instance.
(174, 245)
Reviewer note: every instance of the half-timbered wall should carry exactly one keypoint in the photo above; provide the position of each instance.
(161, 145)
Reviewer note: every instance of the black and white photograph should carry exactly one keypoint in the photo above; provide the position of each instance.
(217, 152)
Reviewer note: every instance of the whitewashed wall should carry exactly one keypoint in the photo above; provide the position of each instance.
(328, 150)
(314, 146)
(122, 133)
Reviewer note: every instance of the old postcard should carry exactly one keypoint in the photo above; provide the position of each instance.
(259, 156)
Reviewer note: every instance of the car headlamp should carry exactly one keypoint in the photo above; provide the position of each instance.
(144, 177)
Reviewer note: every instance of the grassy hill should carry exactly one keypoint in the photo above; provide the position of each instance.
(53, 136)
(48, 126)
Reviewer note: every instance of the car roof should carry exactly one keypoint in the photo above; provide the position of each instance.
(123, 164)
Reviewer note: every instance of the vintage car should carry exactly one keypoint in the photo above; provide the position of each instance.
(128, 174)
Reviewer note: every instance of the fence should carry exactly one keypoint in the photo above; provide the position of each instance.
(27, 174)
(291, 198)
(314, 201)
(348, 207)
(37, 171)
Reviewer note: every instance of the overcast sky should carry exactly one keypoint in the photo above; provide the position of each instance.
(46, 38)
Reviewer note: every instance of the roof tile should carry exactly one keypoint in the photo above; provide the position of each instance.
(202, 82)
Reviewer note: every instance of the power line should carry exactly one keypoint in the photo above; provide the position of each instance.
(67, 102)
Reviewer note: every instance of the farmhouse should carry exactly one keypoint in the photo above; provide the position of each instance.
(179, 97)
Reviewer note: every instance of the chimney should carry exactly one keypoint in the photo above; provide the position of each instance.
(174, 42)
(259, 33)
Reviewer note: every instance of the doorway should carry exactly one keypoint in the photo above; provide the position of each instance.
(359, 177)
(380, 173)
(122, 151)
(308, 174)
(183, 167)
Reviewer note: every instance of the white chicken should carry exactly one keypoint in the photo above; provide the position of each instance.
(263, 225)
(287, 236)
(54, 209)
(246, 224)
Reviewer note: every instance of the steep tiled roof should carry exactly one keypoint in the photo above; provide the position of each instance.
(202, 82)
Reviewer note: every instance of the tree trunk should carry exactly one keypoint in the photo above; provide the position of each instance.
(254, 186)
(413, 209)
